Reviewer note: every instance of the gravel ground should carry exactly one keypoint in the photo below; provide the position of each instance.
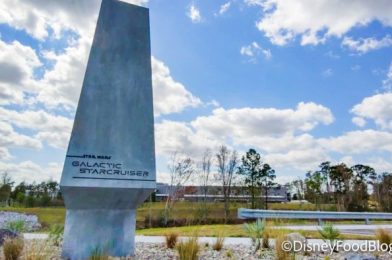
(159, 251)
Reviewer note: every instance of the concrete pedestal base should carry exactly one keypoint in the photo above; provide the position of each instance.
(110, 231)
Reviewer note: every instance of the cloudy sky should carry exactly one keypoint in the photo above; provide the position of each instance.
(301, 81)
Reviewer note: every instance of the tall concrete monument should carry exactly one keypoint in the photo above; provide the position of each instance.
(110, 163)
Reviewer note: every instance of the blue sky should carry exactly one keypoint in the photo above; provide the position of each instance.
(300, 82)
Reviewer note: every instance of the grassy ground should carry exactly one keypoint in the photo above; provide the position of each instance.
(182, 210)
(230, 231)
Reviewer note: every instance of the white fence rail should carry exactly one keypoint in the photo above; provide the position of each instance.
(318, 215)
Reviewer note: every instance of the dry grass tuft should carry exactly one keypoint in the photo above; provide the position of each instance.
(171, 240)
(188, 250)
(13, 248)
(265, 240)
(280, 253)
(39, 250)
(383, 236)
(218, 245)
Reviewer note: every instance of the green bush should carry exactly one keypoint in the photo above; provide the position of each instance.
(329, 233)
(16, 226)
(98, 254)
(255, 231)
(56, 234)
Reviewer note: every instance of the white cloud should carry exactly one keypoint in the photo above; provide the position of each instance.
(332, 55)
(53, 129)
(253, 50)
(194, 14)
(379, 164)
(263, 121)
(37, 17)
(224, 8)
(357, 142)
(30, 172)
(9, 138)
(313, 22)
(359, 121)
(355, 67)
(255, 2)
(365, 45)
(170, 96)
(278, 133)
(60, 86)
(17, 65)
(298, 159)
(173, 137)
(377, 108)
(327, 73)
(387, 83)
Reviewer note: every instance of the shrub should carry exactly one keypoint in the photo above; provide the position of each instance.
(171, 240)
(383, 236)
(265, 241)
(229, 254)
(281, 254)
(98, 254)
(38, 250)
(218, 245)
(188, 250)
(16, 226)
(329, 233)
(56, 234)
(255, 231)
(12, 248)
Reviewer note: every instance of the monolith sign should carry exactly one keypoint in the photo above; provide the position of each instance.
(109, 168)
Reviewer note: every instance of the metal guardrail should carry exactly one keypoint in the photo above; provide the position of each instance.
(319, 215)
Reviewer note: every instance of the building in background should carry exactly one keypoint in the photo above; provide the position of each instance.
(277, 194)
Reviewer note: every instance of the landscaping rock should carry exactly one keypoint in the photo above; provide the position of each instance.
(4, 233)
(31, 221)
(295, 238)
(359, 256)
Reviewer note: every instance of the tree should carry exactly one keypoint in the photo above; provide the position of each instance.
(325, 171)
(180, 169)
(226, 161)
(205, 172)
(267, 181)
(340, 176)
(204, 179)
(299, 188)
(6, 184)
(251, 169)
(383, 192)
(314, 182)
(363, 176)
